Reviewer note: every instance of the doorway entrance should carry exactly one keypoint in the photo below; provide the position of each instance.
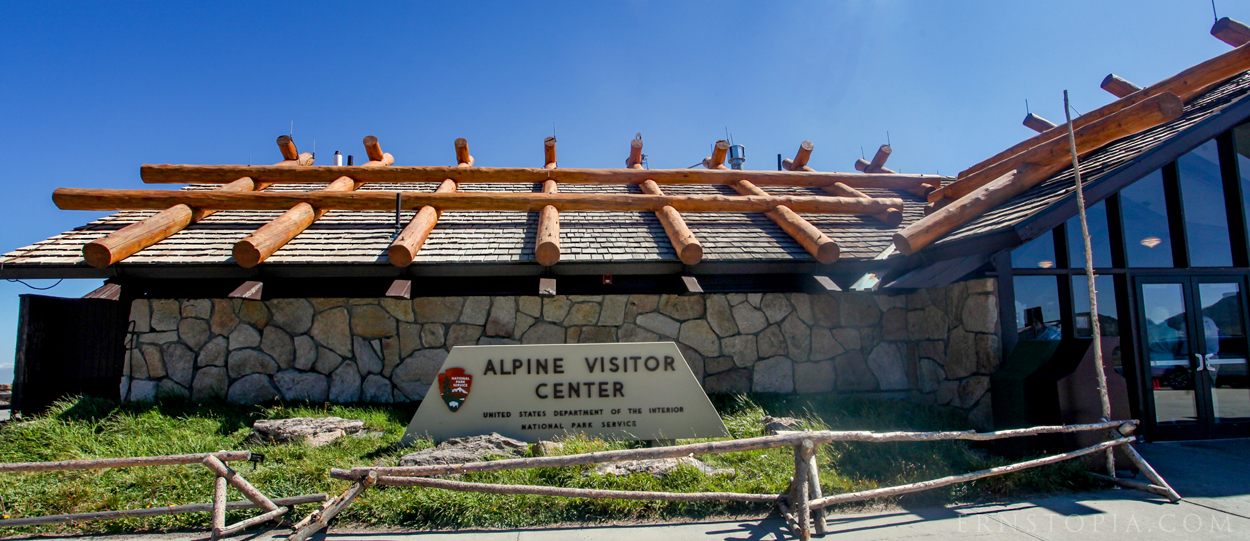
(1192, 330)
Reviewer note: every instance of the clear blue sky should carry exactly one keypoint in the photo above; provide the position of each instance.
(92, 90)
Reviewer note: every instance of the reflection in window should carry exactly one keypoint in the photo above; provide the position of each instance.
(1099, 238)
(1038, 253)
(1241, 140)
(1146, 236)
(1108, 319)
(1037, 307)
(1167, 339)
(1206, 220)
(1224, 341)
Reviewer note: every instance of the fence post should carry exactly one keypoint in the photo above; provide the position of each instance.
(799, 490)
(814, 492)
(219, 506)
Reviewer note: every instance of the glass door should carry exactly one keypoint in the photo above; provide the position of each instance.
(1193, 331)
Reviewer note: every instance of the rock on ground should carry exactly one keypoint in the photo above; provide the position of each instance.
(470, 449)
(317, 431)
(657, 467)
(772, 425)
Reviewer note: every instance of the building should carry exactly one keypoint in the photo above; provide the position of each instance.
(986, 297)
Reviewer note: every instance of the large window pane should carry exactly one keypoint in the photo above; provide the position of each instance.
(1037, 307)
(1206, 220)
(1108, 319)
(1224, 338)
(1038, 253)
(1241, 140)
(1099, 238)
(1146, 236)
(1167, 338)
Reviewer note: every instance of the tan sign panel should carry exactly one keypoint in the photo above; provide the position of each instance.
(639, 391)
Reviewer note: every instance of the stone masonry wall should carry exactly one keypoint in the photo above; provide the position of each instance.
(936, 346)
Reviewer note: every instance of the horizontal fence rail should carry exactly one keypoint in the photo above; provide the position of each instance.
(799, 505)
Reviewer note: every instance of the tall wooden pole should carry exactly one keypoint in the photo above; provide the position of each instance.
(1089, 277)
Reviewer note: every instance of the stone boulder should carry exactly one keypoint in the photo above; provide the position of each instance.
(658, 467)
(772, 425)
(317, 431)
(470, 449)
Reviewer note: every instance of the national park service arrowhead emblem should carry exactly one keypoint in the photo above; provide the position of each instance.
(454, 385)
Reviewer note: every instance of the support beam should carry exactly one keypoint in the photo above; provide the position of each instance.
(221, 174)
(692, 286)
(1232, 32)
(634, 161)
(878, 159)
(128, 240)
(99, 199)
(549, 153)
(258, 246)
(404, 248)
(717, 160)
(801, 157)
(689, 249)
(891, 217)
(248, 290)
(547, 241)
(1186, 85)
(463, 158)
(1037, 123)
(1092, 136)
(823, 248)
(1043, 163)
(1118, 86)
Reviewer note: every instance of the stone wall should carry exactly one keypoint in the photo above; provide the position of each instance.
(936, 345)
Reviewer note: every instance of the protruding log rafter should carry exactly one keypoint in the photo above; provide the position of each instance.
(717, 159)
(129, 240)
(1232, 32)
(100, 199)
(1092, 136)
(823, 248)
(404, 248)
(1037, 123)
(1186, 85)
(883, 154)
(547, 241)
(261, 244)
(1038, 165)
(891, 217)
(1117, 86)
(221, 174)
(689, 249)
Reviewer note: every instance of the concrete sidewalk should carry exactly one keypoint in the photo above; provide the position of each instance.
(1213, 476)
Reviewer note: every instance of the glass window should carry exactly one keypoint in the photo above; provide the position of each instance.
(1037, 307)
(1206, 220)
(1108, 312)
(1038, 253)
(1099, 238)
(1241, 140)
(1146, 236)
(1167, 338)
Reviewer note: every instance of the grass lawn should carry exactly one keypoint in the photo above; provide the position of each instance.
(94, 428)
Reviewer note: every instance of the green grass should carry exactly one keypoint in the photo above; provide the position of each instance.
(94, 428)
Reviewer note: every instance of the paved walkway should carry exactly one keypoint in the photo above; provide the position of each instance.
(1214, 478)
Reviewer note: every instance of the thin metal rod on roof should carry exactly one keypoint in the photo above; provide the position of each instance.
(1089, 278)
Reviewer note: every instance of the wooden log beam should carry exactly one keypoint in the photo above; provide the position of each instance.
(403, 250)
(219, 505)
(1117, 86)
(717, 160)
(318, 519)
(129, 240)
(823, 248)
(247, 523)
(124, 462)
(153, 511)
(634, 161)
(547, 241)
(1232, 32)
(1092, 136)
(802, 156)
(783, 439)
(1037, 123)
(801, 488)
(1150, 472)
(221, 174)
(99, 199)
(257, 247)
(891, 217)
(488, 488)
(689, 249)
(878, 159)
(549, 153)
(814, 493)
(463, 158)
(239, 483)
(1186, 85)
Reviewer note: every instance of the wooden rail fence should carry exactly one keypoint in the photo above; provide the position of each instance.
(215, 462)
(801, 505)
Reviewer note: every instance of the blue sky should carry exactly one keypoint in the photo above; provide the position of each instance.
(90, 91)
